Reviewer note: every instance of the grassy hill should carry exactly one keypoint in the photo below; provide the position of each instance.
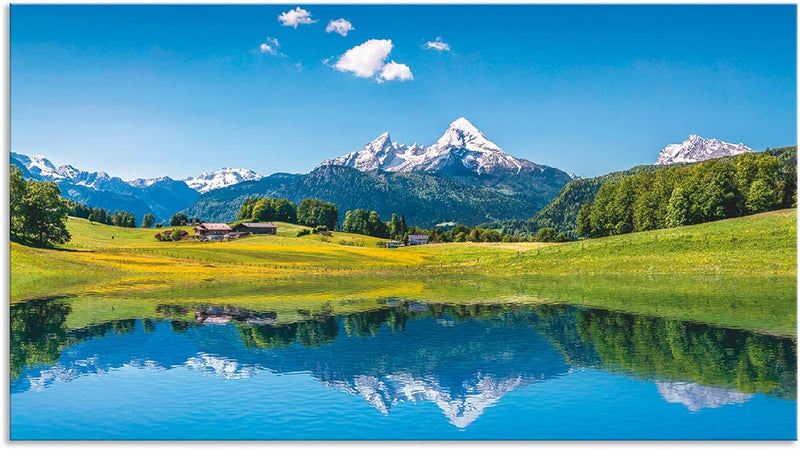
(739, 273)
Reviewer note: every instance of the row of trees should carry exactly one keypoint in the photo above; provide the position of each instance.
(368, 222)
(310, 212)
(268, 209)
(118, 218)
(38, 214)
(711, 190)
(100, 215)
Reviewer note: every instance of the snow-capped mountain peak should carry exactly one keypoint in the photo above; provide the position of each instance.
(43, 167)
(211, 180)
(461, 133)
(461, 149)
(68, 171)
(696, 149)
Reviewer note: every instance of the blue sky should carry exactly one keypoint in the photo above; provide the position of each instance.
(145, 91)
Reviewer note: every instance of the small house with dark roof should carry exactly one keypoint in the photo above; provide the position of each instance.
(256, 228)
(417, 239)
(207, 229)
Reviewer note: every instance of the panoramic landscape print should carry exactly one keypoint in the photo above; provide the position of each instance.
(403, 222)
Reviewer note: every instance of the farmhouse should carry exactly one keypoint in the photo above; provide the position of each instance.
(417, 239)
(208, 229)
(256, 228)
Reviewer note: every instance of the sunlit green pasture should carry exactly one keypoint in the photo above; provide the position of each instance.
(737, 273)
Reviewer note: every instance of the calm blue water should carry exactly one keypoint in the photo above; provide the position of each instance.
(403, 371)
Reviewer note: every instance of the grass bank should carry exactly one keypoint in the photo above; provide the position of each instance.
(737, 273)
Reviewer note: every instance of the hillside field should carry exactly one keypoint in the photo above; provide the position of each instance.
(738, 273)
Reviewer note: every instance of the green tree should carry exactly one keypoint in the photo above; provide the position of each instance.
(314, 212)
(285, 210)
(246, 210)
(677, 209)
(148, 220)
(787, 186)
(585, 220)
(376, 227)
(545, 235)
(262, 210)
(17, 190)
(761, 197)
(178, 219)
(176, 234)
(394, 226)
(602, 217)
(43, 213)
(347, 226)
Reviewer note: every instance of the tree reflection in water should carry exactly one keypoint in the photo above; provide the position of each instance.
(669, 351)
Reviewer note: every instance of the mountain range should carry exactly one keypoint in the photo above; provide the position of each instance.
(162, 196)
(463, 177)
(696, 149)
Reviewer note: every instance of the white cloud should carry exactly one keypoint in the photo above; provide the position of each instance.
(438, 44)
(365, 60)
(369, 60)
(395, 71)
(341, 26)
(294, 17)
(271, 46)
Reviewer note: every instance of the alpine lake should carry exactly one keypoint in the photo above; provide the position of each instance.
(391, 368)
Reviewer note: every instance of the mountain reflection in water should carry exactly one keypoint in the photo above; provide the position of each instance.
(462, 358)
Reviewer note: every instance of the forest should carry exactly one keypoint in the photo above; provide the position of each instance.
(678, 196)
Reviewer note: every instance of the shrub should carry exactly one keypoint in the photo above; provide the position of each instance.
(303, 232)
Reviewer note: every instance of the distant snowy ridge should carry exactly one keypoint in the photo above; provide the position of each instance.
(42, 168)
(696, 149)
(211, 180)
(462, 146)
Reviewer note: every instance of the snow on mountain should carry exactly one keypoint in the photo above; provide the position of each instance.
(461, 146)
(696, 149)
(212, 180)
(141, 183)
(39, 165)
(696, 397)
(42, 168)
(461, 407)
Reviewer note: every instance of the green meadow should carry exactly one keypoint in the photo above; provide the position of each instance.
(735, 273)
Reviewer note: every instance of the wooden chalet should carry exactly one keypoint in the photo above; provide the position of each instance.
(256, 228)
(208, 229)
